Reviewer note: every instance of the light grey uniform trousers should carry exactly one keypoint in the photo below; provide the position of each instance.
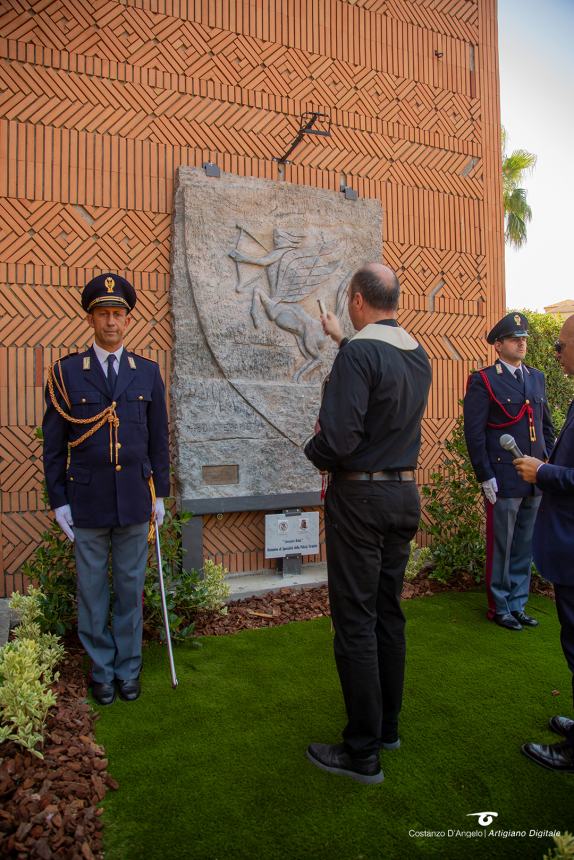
(509, 580)
(115, 651)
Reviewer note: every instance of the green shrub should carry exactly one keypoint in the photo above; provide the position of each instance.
(52, 568)
(543, 331)
(564, 849)
(455, 513)
(211, 589)
(27, 671)
(187, 592)
(419, 558)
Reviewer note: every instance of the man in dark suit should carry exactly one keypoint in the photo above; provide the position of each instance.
(507, 397)
(553, 546)
(106, 457)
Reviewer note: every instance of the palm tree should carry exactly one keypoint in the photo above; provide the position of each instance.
(517, 212)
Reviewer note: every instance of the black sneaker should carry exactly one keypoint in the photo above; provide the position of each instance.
(335, 759)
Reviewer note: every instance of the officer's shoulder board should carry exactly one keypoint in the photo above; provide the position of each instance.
(136, 358)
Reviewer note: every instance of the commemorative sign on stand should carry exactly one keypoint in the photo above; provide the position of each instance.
(291, 535)
(250, 258)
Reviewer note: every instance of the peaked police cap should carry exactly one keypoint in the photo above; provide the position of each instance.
(512, 325)
(108, 291)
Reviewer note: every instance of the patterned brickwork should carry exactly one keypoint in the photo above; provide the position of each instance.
(102, 100)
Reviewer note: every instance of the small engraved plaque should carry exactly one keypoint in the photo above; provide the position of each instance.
(220, 474)
(290, 535)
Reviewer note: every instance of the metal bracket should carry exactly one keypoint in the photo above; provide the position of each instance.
(211, 169)
(306, 126)
(350, 194)
(291, 564)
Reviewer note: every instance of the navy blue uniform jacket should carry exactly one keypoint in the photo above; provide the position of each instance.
(553, 540)
(488, 458)
(99, 494)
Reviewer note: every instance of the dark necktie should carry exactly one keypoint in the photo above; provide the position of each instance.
(518, 375)
(112, 375)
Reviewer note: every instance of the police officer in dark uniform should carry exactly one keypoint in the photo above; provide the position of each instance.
(507, 397)
(106, 464)
(368, 439)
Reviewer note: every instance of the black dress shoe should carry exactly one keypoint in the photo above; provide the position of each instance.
(507, 620)
(561, 725)
(526, 620)
(129, 690)
(104, 694)
(334, 759)
(558, 756)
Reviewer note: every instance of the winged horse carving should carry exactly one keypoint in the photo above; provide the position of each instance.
(296, 267)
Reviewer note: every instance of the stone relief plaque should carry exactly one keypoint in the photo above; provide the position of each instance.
(250, 259)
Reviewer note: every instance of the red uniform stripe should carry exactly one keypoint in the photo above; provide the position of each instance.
(489, 554)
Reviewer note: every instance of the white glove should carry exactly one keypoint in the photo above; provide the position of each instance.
(490, 489)
(64, 519)
(159, 512)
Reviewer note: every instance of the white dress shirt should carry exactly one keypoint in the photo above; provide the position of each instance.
(103, 354)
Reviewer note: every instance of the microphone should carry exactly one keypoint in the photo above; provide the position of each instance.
(508, 442)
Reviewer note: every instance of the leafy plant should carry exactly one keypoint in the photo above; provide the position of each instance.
(455, 513)
(187, 592)
(27, 671)
(564, 849)
(53, 568)
(517, 212)
(543, 331)
(418, 558)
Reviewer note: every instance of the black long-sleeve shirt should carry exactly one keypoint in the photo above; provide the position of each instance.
(373, 403)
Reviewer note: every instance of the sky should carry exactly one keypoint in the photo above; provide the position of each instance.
(536, 53)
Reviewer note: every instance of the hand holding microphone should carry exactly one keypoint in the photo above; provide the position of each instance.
(527, 467)
(508, 442)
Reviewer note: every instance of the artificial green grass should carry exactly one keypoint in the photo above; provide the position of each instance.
(216, 769)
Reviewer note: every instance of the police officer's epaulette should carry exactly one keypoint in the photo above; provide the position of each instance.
(143, 358)
(69, 355)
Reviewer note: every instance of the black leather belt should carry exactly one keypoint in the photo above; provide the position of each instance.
(385, 475)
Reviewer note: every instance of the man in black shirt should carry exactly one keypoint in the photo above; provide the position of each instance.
(368, 438)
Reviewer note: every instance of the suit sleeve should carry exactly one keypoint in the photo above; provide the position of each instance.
(159, 436)
(548, 430)
(55, 453)
(556, 479)
(342, 414)
(476, 408)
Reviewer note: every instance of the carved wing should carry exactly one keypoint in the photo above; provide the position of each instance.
(304, 270)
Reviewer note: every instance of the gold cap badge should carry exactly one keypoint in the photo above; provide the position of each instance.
(110, 284)
(517, 318)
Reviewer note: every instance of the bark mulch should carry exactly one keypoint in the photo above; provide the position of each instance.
(280, 607)
(50, 808)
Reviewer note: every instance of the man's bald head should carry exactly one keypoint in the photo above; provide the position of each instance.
(567, 330)
(565, 354)
(378, 285)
